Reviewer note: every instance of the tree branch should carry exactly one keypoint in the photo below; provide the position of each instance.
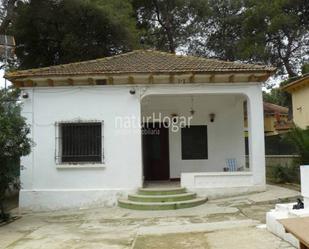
(10, 8)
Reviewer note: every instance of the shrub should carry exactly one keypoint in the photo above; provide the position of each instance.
(300, 138)
(14, 143)
(284, 173)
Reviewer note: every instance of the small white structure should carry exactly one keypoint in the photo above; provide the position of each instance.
(283, 211)
(90, 148)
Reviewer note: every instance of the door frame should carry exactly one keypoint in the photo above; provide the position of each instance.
(153, 125)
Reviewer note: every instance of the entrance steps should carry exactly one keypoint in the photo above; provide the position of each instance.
(161, 199)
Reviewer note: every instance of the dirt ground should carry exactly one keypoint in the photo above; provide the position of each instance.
(235, 222)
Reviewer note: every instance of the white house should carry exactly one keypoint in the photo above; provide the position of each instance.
(90, 147)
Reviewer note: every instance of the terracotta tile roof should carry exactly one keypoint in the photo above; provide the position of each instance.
(270, 108)
(142, 61)
(298, 81)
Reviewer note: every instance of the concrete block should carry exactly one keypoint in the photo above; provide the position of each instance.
(304, 171)
(284, 207)
(276, 228)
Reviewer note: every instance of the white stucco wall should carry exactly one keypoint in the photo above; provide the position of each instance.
(304, 173)
(225, 134)
(255, 180)
(45, 185)
(43, 182)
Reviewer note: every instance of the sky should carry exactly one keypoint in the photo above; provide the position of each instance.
(2, 81)
(1, 78)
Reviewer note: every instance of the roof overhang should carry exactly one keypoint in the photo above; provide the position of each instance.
(140, 78)
(297, 84)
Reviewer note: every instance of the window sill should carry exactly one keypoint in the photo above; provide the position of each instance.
(80, 166)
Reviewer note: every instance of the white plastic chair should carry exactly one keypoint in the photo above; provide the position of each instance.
(231, 164)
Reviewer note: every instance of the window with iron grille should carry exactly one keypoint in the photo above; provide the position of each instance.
(80, 142)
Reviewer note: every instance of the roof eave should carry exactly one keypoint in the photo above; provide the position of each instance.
(141, 79)
(12, 76)
(295, 84)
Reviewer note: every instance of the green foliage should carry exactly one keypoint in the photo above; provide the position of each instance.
(279, 26)
(167, 25)
(14, 143)
(290, 173)
(222, 28)
(300, 138)
(284, 173)
(278, 97)
(305, 68)
(260, 31)
(53, 32)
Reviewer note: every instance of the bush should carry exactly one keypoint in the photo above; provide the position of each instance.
(300, 139)
(14, 143)
(284, 173)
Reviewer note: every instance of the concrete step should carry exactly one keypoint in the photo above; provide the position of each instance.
(161, 191)
(161, 205)
(162, 198)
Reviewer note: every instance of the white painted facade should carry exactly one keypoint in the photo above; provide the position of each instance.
(48, 185)
(225, 134)
(304, 173)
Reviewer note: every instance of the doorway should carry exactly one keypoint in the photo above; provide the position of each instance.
(155, 144)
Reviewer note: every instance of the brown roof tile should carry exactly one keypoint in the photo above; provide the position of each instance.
(142, 61)
(298, 81)
(270, 108)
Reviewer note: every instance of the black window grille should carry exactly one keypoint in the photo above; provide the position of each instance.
(194, 142)
(81, 142)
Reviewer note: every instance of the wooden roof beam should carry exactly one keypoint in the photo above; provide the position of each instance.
(90, 81)
(70, 82)
(171, 79)
(18, 84)
(131, 80)
(50, 82)
(150, 79)
(232, 78)
(212, 78)
(252, 78)
(29, 83)
(192, 78)
(110, 80)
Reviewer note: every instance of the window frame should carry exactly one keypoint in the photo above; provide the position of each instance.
(58, 145)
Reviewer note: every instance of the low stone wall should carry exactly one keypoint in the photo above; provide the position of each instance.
(283, 160)
(273, 160)
(282, 168)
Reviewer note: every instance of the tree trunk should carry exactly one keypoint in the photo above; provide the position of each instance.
(288, 68)
(171, 43)
(10, 8)
(3, 215)
(166, 25)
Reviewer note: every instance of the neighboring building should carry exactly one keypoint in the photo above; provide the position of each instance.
(90, 148)
(275, 119)
(299, 89)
